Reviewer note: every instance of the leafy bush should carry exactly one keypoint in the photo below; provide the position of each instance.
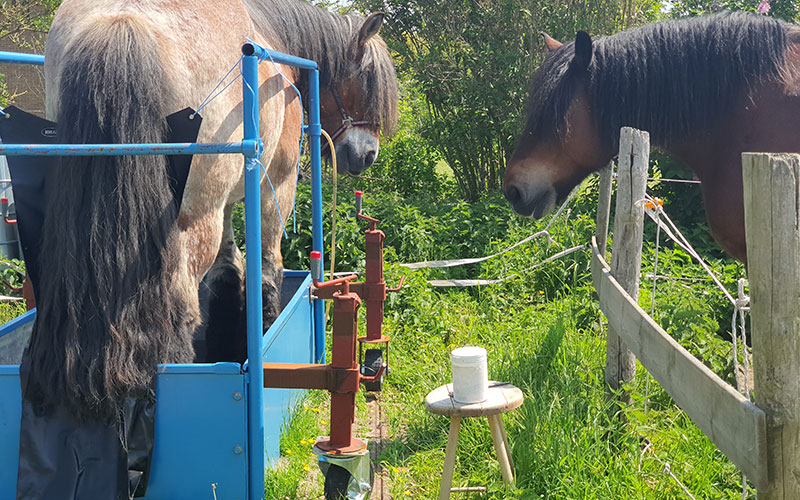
(12, 274)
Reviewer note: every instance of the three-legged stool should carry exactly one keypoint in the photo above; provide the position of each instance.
(503, 397)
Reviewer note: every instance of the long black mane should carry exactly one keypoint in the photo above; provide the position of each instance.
(302, 29)
(671, 78)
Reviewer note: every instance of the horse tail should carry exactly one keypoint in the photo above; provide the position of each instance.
(110, 304)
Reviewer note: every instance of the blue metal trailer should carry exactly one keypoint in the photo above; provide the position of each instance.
(216, 426)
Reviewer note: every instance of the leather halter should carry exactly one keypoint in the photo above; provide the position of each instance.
(347, 120)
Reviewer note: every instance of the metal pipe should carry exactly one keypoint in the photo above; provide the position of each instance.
(255, 327)
(314, 133)
(253, 49)
(20, 58)
(180, 148)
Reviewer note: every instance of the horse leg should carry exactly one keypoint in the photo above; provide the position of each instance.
(283, 177)
(222, 298)
(210, 254)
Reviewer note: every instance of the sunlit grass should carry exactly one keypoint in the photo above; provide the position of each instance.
(544, 333)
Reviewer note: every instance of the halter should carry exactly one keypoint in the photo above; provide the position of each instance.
(347, 120)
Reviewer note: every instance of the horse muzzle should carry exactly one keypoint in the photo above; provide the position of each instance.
(355, 156)
(533, 202)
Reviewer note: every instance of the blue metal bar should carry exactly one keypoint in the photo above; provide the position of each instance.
(20, 58)
(314, 132)
(180, 148)
(253, 49)
(255, 327)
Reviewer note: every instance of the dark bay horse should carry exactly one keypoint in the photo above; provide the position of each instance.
(706, 89)
(123, 263)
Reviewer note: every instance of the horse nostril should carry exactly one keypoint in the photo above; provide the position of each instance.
(370, 159)
(512, 194)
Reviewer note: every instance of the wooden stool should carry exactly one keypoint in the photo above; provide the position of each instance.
(502, 397)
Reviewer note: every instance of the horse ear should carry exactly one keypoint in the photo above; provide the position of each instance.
(371, 27)
(583, 50)
(550, 42)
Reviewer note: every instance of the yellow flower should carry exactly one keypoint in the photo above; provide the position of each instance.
(288, 452)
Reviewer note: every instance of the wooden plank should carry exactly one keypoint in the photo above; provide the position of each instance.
(772, 221)
(733, 423)
(626, 255)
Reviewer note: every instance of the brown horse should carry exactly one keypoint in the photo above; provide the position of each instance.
(124, 264)
(706, 89)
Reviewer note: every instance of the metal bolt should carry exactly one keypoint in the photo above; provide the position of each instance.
(237, 396)
(237, 450)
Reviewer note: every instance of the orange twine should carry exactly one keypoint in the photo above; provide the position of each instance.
(651, 205)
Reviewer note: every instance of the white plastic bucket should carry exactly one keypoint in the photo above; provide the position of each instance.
(470, 374)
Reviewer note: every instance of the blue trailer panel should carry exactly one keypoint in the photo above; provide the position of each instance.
(289, 340)
(201, 414)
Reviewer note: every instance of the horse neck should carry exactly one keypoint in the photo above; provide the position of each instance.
(301, 29)
(656, 78)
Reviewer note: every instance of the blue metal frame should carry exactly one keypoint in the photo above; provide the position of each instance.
(246, 147)
(251, 148)
(19, 58)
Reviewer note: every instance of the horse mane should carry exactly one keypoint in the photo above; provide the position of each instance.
(305, 30)
(671, 78)
(109, 310)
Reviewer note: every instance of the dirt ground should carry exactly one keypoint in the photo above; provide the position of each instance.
(377, 438)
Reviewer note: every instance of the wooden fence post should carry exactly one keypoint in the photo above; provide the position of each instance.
(772, 222)
(604, 206)
(626, 254)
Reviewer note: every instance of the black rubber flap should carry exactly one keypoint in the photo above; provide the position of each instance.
(29, 173)
(61, 457)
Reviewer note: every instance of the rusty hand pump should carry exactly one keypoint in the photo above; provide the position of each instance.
(342, 377)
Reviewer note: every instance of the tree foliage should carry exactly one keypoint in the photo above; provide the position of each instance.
(788, 10)
(25, 23)
(473, 60)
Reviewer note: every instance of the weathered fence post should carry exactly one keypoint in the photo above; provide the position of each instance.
(772, 222)
(604, 206)
(626, 253)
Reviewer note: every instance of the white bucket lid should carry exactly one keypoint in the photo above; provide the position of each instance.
(468, 355)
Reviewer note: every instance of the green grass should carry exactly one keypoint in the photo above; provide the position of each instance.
(543, 333)
(10, 310)
(309, 420)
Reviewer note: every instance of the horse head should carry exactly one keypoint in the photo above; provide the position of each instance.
(364, 104)
(561, 143)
